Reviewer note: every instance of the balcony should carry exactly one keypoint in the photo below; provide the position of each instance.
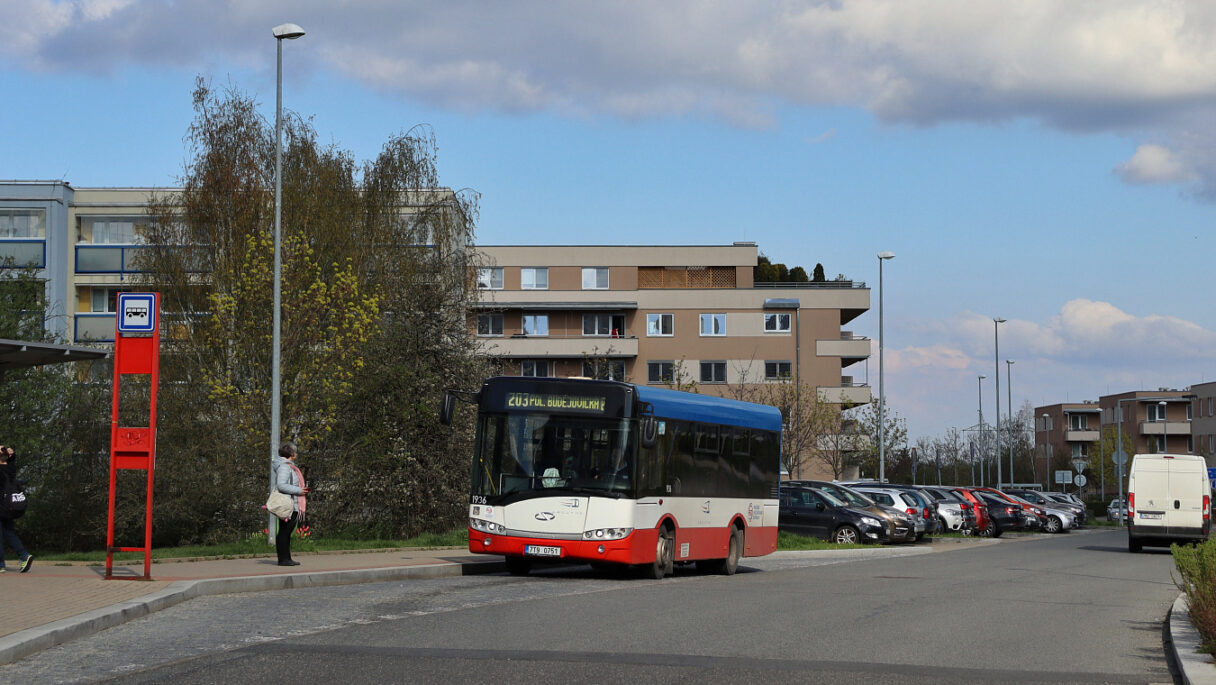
(845, 348)
(24, 252)
(539, 347)
(1156, 427)
(94, 327)
(1081, 435)
(846, 393)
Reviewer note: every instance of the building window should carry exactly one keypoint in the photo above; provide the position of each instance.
(1080, 450)
(595, 278)
(776, 371)
(604, 369)
(22, 223)
(106, 299)
(1210, 405)
(112, 230)
(531, 278)
(713, 372)
(538, 368)
(536, 324)
(1079, 422)
(776, 323)
(603, 324)
(1189, 411)
(1156, 412)
(489, 278)
(489, 324)
(1212, 444)
(713, 324)
(661, 325)
(1190, 444)
(660, 372)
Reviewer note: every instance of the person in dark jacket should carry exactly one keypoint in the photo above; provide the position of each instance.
(8, 527)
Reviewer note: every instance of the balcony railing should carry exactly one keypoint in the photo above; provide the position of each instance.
(94, 327)
(809, 284)
(24, 252)
(107, 259)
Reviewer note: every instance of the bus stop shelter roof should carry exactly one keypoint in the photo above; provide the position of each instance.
(18, 354)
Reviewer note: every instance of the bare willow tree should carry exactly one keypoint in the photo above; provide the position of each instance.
(812, 437)
(375, 283)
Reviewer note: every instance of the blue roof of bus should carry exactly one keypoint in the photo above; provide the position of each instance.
(674, 404)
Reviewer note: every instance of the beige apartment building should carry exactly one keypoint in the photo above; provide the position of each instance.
(664, 314)
(1157, 420)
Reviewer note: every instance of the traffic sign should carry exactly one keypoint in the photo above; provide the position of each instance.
(136, 312)
(1080, 465)
(1063, 476)
(1120, 457)
(1079, 481)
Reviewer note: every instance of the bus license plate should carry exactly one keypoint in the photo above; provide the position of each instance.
(1150, 516)
(542, 551)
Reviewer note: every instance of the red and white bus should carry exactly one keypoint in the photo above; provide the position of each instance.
(612, 473)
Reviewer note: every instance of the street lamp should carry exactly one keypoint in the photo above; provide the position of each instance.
(1009, 425)
(996, 336)
(882, 399)
(281, 32)
(1164, 425)
(1046, 456)
(979, 387)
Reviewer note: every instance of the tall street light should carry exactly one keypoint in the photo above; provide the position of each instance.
(281, 32)
(882, 398)
(979, 392)
(996, 335)
(1164, 425)
(1009, 425)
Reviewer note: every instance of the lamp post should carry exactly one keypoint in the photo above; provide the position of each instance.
(979, 391)
(1009, 425)
(281, 32)
(1120, 469)
(1046, 455)
(1164, 425)
(996, 337)
(882, 399)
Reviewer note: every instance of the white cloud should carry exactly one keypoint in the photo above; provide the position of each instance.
(1144, 69)
(1154, 164)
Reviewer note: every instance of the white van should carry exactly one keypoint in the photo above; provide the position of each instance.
(1169, 499)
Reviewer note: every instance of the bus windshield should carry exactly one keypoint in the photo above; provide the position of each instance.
(538, 452)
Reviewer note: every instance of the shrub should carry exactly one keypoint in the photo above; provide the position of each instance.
(1197, 567)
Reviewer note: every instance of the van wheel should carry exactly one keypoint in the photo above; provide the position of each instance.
(1133, 545)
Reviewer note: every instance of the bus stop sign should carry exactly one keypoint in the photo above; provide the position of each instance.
(136, 312)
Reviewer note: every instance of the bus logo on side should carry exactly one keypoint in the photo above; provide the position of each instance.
(544, 516)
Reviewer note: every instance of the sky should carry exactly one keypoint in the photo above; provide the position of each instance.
(1049, 163)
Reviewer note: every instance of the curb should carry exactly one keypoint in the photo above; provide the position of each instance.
(26, 642)
(1196, 667)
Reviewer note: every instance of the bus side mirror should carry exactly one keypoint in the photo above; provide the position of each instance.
(650, 432)
(447, 407)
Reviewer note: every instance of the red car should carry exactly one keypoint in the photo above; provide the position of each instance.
(982, 520)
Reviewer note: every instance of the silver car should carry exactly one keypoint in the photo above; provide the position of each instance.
(1058, 519)
(897, 499)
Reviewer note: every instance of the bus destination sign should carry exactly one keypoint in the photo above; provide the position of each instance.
(556, 402)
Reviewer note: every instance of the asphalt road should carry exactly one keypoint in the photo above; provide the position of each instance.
(1069, 608)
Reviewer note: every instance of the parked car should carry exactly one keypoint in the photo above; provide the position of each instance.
(901, 526)
(978, 506)
(1048, 500)
(898, 499)
(954, 511)
(928, 504)
(1036, 518)
(1115, 509)
(1057, 518)
(1003, 514)
(815, 513)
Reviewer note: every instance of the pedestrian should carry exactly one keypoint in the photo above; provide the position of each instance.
(8, 525)
(289, 481)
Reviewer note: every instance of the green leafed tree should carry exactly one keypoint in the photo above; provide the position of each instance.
(375, 275)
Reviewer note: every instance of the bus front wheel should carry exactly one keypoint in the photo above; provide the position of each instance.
(731, 563)
(518, 566)
(664, 555)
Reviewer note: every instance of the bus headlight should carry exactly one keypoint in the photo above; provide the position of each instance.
(606, 533)
(486, 526)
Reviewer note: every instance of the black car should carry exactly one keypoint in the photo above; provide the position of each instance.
(815, 513)
(1003, 514)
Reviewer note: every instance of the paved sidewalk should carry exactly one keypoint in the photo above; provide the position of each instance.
(56, 602)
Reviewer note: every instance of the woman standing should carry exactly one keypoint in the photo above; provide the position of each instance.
(8, 527)
(289, 481)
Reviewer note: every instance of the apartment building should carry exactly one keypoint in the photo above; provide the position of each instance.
(1203, 420)
(1156, 420)
(665, 314)
(1068, 429)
